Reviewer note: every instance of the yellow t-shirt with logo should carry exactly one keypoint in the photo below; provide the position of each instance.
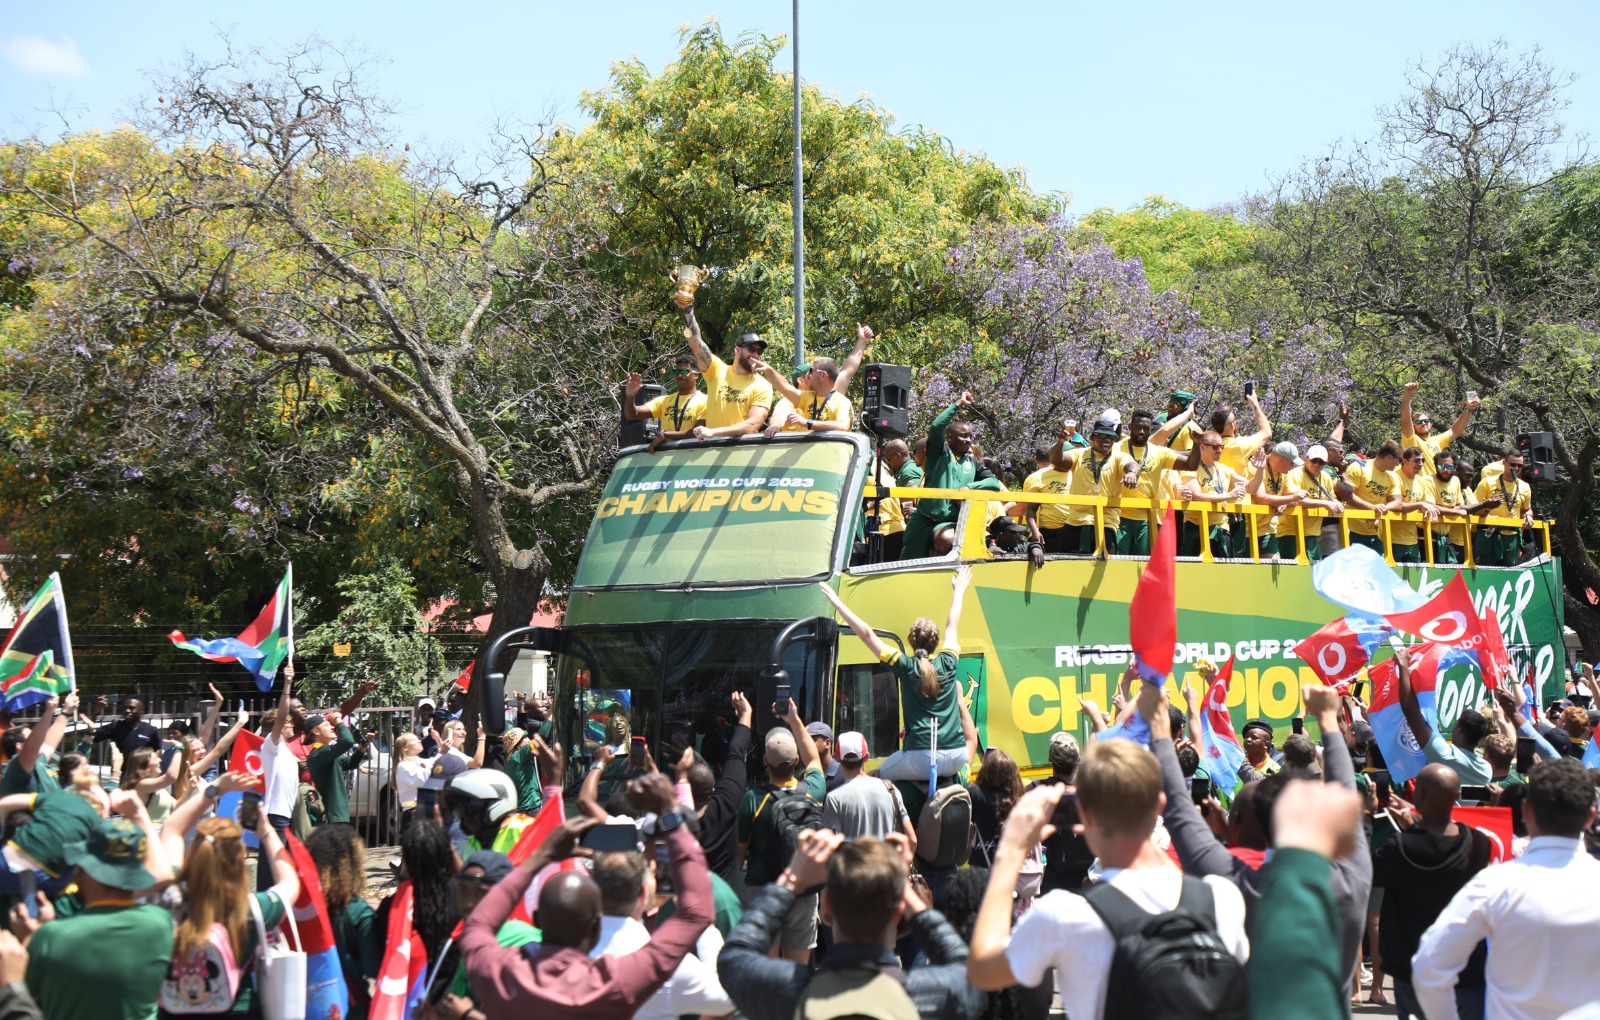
(1237, 451)
(1430, 448)
(1154, 462)
(1515, 501)
(1448, 494)
(891, 517)
(1374, 486)
(1412, 490)
(677, 412)
(1183, 439)
(833, 407)
(1049, 515)
(1274, 484)
(1316, 485)
(730, 397)
(1215, 481)
(1492, 470)
(1096, 476)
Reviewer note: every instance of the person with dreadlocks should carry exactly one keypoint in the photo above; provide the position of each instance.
(937, 725)
(428, 861)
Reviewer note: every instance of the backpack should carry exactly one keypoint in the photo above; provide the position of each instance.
(1172, 964)
(792, 811)
(945, 832)
(869, 992)
(206, 982)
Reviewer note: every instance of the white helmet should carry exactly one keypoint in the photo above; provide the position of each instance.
(491, 788)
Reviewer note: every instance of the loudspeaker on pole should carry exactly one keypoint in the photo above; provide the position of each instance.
(886, 400)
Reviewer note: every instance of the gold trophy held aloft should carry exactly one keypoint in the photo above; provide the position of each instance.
(688, 280)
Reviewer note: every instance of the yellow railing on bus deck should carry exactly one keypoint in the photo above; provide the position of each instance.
(974, 546)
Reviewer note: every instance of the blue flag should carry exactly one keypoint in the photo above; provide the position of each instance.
(1358, 579)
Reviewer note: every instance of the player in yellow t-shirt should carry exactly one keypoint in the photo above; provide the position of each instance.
(1099, 470)
(1155, 462)
(1282, 482)
(1416, 429)
(1237, 451)
(1046, 520)
(1451, 499)
(1371, 486)
(737, 400)
(1499, 543)
(1405, 537)
(678, 412)
(1212, 482)
(818, 407)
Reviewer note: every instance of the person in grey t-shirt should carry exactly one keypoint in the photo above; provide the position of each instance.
(863, 805)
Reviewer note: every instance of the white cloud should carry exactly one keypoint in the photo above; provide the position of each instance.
(41, 56)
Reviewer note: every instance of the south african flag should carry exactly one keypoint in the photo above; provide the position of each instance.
(37, 659)
(263, 646)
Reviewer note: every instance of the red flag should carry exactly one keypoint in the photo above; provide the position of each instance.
(246, 756)
(1493, 662)
(1216, 703)
(464, 681)
(310, 908)
(1153, 613)
(1449, 618)
(403, 960)
(1494, 822)
(1335, 653)
(548, 820)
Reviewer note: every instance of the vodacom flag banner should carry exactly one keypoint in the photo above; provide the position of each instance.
(1339, 651)
(1449, 618)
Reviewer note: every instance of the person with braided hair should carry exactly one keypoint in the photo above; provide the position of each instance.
(937, 723)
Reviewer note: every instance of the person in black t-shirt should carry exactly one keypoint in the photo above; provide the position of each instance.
(1421, 870)
(130, 732)
(1067, 857)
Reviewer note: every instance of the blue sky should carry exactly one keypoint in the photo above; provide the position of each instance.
(1108, 102)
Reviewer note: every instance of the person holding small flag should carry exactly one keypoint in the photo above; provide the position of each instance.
(1461, 752)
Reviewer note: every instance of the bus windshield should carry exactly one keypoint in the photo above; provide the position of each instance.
(727, 514)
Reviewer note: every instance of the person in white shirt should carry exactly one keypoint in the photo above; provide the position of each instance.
(280, 768)
(1540, 913)
(1119, 799)
(627, 884)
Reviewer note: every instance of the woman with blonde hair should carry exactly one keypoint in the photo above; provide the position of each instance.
(214, 939)
(142, 773)
(200, 765)
(938, 726)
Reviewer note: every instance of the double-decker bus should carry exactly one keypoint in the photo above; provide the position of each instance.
(699, 576)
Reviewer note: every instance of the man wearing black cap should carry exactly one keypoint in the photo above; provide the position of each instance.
(737, 400)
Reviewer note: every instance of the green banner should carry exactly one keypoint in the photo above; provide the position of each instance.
(747, 512)
(1051, 637)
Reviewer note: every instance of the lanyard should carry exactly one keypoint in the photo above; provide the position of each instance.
(1509, 499)
(1211, 476)
(818, 409)
(1096, 468)
(1144, 458)
(680, 411)
(1274, 483)
(1315, 478)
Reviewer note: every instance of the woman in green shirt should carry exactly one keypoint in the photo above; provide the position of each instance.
(937, 725)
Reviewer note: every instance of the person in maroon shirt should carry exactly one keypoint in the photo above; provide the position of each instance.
(557, 973)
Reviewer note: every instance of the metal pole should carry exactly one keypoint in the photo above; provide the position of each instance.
(799, 207)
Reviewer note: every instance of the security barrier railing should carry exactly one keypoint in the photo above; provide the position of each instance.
(1307, 521)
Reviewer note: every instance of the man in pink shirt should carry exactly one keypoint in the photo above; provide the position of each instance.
(558, 973)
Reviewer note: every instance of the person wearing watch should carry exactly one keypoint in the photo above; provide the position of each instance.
(559, 973)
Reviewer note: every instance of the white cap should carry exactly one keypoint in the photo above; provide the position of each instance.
(1317, 452)
(1111, 414)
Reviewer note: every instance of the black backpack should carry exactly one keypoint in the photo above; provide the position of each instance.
(788, 811)
(1170, 965)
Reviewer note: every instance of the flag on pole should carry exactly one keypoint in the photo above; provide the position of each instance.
(327, 994)
(1401, 751)
(464, 680)
(1493, 662)
(1494, 822)
(1224, 755)
(1338, 651)
(1449, 618)
(1358, 579)
(548, 820)
(1153, 611)
(36, 661)
(263, 646)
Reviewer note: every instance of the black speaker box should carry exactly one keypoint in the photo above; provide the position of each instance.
(886, 400)
(1538, 451)
(638, 433)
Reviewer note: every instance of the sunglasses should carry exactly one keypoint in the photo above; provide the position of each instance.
(1424, 421)
(1212, 446)
(1318, 460)
(680, 372)
(482, 881)
(760, 348)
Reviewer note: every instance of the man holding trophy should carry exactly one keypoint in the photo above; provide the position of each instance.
(737, 400)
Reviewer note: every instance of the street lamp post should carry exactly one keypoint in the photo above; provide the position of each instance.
(799, 207)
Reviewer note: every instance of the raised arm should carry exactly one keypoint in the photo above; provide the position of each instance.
(697, 346)
(1415, 720)
(1458, 428)
(28, 754)
(852, 364)
(958, 584)
(1170, 428)
(782, 386)
(353, 702)
(1263, 433)
(634, 411)
(208, 722)
(856, 624)
(589, 789)
(1408, 428)
(1337, 435)
(809, 758)
(204, 764)
(281, 720)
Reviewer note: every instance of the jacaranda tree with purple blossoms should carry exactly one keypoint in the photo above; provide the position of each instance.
(1062, 328)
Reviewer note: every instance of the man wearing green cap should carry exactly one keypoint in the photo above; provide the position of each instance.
(108, 961)
(1178, 402)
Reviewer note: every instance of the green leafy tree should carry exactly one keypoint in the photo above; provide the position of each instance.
(379, 619)
(696, 164)
(1456, 249)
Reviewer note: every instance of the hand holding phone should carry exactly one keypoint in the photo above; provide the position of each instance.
(250, 811)
(636, 752)
(1298, 724)
(783, 700)
(1250, 389)
(609, 838)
